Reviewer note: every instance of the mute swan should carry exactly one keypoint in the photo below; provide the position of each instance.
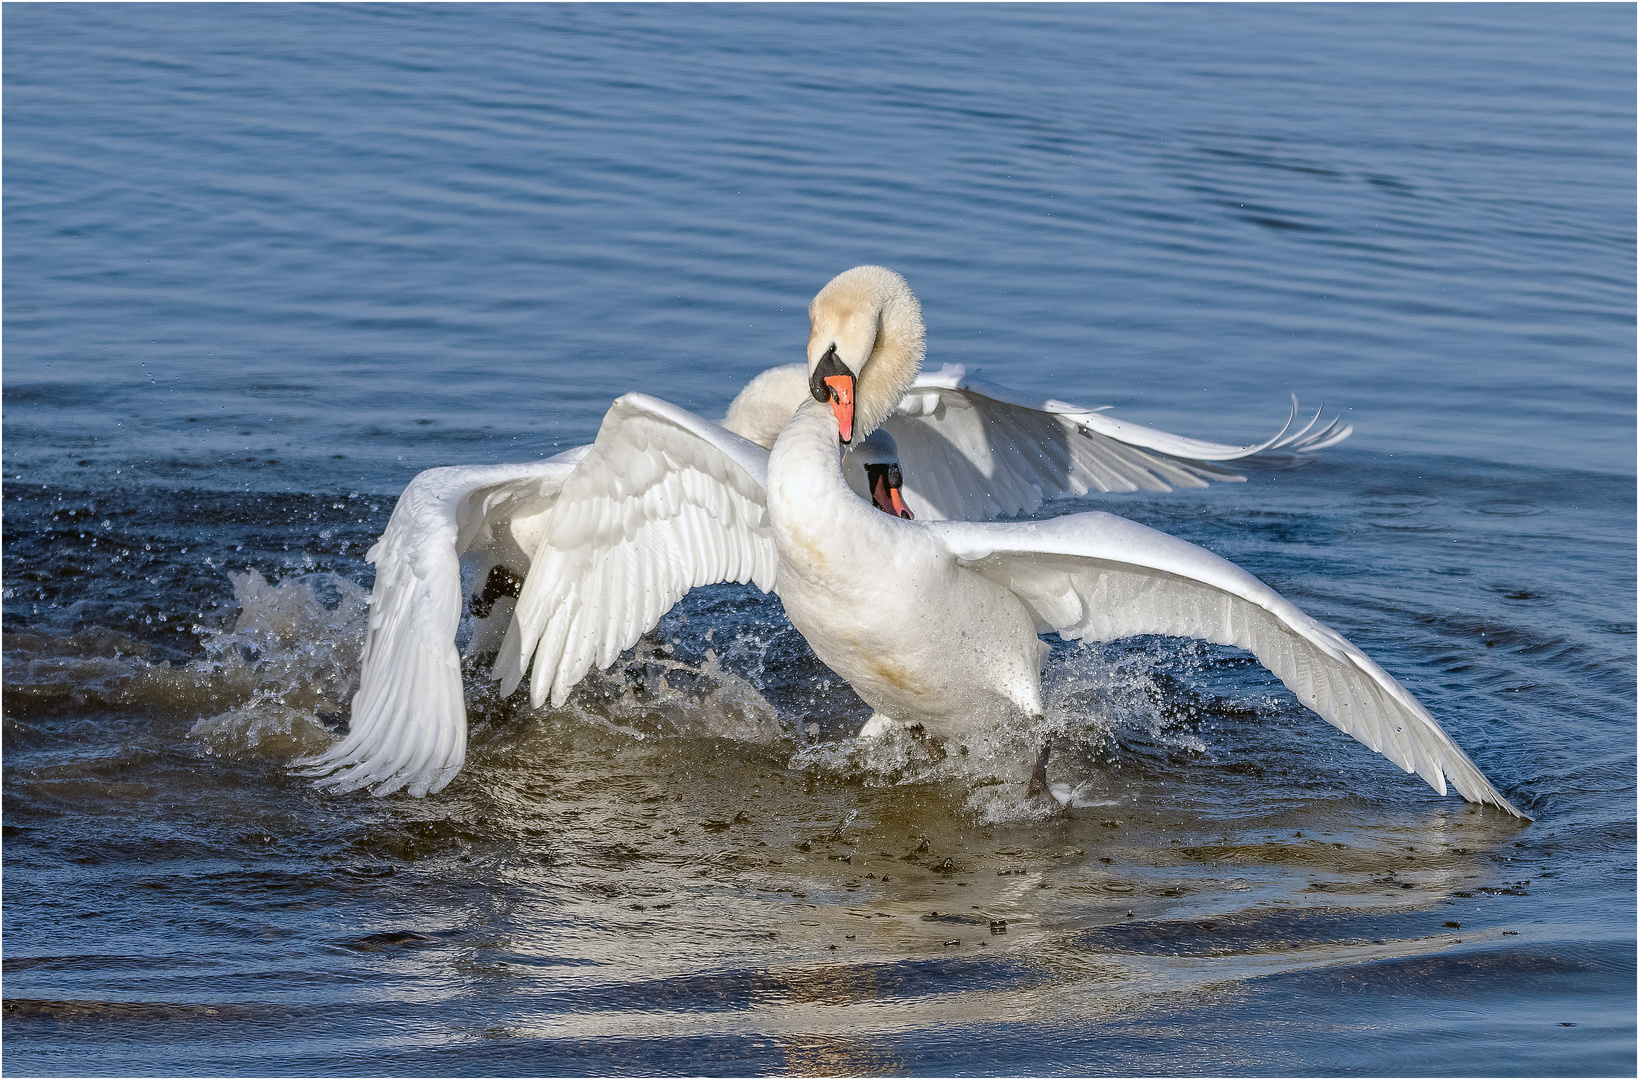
(613, 534)
(936, 622)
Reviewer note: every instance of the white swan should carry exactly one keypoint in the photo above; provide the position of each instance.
(936, 622)
(662, 501)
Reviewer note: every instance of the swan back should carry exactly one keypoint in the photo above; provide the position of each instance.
(760, 410)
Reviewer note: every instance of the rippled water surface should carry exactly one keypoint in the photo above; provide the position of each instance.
(264, 263)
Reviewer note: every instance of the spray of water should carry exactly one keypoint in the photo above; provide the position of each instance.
(275, 684)
(287, 664)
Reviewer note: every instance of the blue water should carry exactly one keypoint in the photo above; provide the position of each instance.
(264, 263)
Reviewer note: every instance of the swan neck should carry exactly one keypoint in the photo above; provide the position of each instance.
(806, 486)
(894, 363)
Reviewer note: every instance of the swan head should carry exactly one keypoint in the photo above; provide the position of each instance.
(865, 346)
(878, 456)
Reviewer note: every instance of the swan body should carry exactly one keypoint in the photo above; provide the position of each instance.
(888, 609)
(931, 621)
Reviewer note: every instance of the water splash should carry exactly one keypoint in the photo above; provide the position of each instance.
(1101, 703)
(262, 728)
(1099, 694)
(652, 693)
(289, 661)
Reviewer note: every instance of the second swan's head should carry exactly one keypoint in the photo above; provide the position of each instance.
(865, 346)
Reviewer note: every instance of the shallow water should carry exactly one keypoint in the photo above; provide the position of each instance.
(266, 263)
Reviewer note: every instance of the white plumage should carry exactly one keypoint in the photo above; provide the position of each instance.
(614, 534)
(663, 501)
(1098, 577)
(972, 450)
(409, 720)
(936, 622)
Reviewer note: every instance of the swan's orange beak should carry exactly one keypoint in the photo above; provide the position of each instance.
(842, 404)
(887, 499)
(832, 381)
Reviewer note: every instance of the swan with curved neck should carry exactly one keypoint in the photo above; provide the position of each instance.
(883, 605)
(936, 623)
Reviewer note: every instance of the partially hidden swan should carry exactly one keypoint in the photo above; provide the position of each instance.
(932, 622)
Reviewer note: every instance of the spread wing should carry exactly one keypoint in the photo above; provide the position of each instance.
(665, 501)
(1101, 577)
(971, 450)
(409, 721)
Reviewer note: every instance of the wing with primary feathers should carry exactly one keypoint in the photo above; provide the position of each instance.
(409, 720)
(1100, 577)
(665, 501)
(971, 450)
